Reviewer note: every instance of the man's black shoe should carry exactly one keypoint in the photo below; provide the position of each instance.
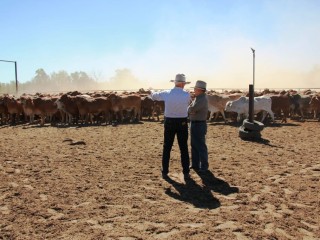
(186, 176)
(194, 168)
(202, 170)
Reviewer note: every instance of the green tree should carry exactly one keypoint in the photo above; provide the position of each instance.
(82, 81)
(61, 81)
(41, 77)
(41, 81)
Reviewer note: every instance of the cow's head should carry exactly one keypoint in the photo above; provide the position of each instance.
(228, 106)
(26, 100)
(60, 104)
(7, 99)
(314, 100)
(115, 99)
(64, 97)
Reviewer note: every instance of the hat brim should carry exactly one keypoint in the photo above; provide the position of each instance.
(200, 88)
(181, 82)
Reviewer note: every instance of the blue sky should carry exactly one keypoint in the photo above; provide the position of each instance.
(205, 39)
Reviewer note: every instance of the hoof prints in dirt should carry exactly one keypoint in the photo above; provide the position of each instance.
(110, 186)
(72, 142)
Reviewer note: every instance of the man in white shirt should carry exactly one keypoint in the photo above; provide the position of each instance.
(176, 102)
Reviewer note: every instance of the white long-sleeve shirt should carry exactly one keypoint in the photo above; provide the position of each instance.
(176, 102)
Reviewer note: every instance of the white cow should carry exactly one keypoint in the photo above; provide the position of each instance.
(217, 104)
(241, 106)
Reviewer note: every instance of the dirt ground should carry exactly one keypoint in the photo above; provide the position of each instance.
(104, 182)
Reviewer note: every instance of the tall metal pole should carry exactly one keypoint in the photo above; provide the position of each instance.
(251, 93)
(254, 56)
(251, 103)
(16, 72)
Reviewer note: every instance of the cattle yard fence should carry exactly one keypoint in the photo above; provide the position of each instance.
(218, 90)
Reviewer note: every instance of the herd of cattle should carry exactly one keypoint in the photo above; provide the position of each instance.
(110, 107)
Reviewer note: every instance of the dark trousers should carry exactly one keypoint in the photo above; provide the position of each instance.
(199, 151)
(172, 127)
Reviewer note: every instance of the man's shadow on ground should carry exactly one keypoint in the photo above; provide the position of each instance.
(200, 196)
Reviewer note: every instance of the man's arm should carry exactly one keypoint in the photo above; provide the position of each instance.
(158, 96)
(196, 106)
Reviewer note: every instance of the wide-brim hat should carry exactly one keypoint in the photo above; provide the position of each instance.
(201, 84)
(180, 78)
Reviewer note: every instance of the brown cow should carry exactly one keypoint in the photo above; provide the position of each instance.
(126, 103)
(304, 105)
(3, 111)
(147, 107)
(217, 104)
(14, 107)
(315, 106)
(158, 108)
(28, 107)
(88, 106)
(41, 106)
(281, 105)
(67, 105)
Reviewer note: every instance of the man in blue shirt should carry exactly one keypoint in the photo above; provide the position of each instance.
(176, 102)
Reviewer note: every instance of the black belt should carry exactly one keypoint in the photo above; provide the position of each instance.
(178, 119)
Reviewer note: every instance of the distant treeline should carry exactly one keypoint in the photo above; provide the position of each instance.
(63, 81)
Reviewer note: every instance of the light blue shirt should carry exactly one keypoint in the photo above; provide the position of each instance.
(176, 102)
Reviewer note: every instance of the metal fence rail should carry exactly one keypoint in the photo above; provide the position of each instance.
(219, 90)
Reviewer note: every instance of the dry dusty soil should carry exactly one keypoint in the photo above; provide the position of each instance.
(104, 182)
